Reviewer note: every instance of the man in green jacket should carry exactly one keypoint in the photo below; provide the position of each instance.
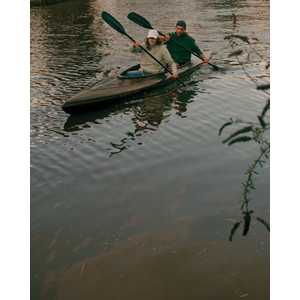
(180, 55)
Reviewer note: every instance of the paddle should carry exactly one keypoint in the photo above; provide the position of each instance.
(110, 20)
(136, 18)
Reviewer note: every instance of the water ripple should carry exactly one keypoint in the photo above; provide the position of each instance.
(152, 161)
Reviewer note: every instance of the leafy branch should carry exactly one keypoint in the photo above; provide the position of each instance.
(250, 132)
(232, 42)
(247, 220)
(255, 133)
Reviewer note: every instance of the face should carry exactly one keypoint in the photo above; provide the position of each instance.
(152, 41)
(179, 30)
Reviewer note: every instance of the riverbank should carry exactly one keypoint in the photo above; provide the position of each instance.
(44, 2)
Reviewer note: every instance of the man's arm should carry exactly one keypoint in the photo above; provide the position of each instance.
(204, 58)
(164, 38)
(197, 50)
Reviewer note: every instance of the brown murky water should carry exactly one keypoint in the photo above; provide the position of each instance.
(137, 201)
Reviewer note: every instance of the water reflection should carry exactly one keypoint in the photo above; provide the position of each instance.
(94, 218)
(152, 265)
(227, 4)
(66, 46)
(148, 113)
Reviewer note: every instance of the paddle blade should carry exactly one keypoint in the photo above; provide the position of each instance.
(111, 21)
(139, 20)
(221, 69)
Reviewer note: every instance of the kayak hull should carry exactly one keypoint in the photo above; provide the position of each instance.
(107, 92)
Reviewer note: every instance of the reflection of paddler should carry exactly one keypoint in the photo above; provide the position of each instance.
(180, 106)
(149, 66)
(179, 54)
(152, 114)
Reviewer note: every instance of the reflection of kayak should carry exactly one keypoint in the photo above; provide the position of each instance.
(106, 92)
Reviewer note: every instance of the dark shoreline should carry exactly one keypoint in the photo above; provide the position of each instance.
(45, 2)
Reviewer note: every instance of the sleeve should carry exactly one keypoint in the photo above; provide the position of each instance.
(135, 49)
(169, 42)
(168, 59)
(196, 49)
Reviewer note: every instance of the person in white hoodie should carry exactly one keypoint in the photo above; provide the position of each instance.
(148, 65)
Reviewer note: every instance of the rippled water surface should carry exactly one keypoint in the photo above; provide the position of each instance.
(137, 200)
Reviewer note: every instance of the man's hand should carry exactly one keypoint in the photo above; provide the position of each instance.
(204, 58)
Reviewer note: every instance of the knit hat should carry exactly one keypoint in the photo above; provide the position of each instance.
(153, 33)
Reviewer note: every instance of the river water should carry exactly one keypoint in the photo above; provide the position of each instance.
(137, 200)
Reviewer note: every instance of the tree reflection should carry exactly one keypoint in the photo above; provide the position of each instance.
(71, 35)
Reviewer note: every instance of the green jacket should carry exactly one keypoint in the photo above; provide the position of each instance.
(178, 53)
(160, 52)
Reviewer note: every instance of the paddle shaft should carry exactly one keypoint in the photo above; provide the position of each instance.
(215, 67)
(154, 58)
(115, 24)
(138, 19)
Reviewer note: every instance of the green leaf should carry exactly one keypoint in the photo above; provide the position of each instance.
(234, 228)
(262, 122)
(266, 108)
(264, 223)
(240, 139)
(247, 219)
(243, 130)
(264, 87)
(225, 125)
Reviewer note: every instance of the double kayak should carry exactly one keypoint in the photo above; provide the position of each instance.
(107, 92)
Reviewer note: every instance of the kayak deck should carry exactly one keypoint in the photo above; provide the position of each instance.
(106, 92)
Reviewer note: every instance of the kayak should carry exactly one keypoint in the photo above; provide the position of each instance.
(106, 92)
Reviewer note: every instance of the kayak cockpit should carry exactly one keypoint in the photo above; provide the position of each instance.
(137, 67)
